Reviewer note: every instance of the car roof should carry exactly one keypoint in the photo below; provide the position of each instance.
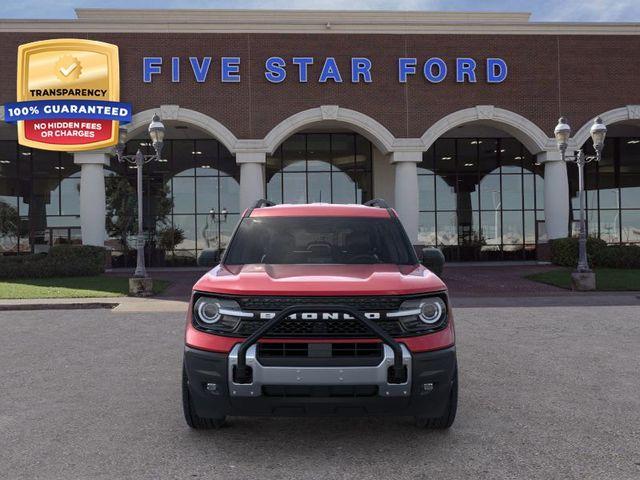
(320, 210)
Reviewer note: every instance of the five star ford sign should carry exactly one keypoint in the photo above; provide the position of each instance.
(68, 95)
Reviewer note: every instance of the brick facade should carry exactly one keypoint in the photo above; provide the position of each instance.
(575, 75)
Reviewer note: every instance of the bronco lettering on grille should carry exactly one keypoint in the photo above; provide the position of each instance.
(320, 316)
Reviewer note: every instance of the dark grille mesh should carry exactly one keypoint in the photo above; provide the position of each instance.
(316, 328)
(372, 304)
(320, 328)
(336, 350)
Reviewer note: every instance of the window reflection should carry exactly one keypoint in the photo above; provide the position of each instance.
(183, 194)
(318, 151)
(426, 195)
(294, 187)
(612, 191)
(447, 228)
(630, 224)
(630, 190)
(320, 167)
(479, 198)
(490, 194)
(229, 194)
(70, 195)
(274, 187)
(512, 192)
(445, 195)
(39, 198)
(609, 226)
(529, 191)
(207, 194)
(320, 187)
(343, 186)
(427, 229)
(200, 181)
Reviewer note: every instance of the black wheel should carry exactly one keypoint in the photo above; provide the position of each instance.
(190, 416)
(446, 420)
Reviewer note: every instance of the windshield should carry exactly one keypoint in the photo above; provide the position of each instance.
(320, 240)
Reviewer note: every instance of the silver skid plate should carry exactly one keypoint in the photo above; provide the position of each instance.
(360, 375)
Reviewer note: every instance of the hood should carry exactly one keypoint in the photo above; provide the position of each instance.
(319, 280)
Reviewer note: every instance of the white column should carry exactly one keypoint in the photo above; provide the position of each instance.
(251, 177)
(93, 208)
(556, 194)
(383, 175)
(406, 190)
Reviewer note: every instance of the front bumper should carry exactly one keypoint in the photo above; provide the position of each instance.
(374, 376)
(319, 390)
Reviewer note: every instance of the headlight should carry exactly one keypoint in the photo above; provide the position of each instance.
(423, 314)
(208, 310)
(217, 314)
(432, 310)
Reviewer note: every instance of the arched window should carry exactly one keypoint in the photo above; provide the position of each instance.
(39, 192)
(612, 189)
(480, 198)
(320, 167)
(194, 189)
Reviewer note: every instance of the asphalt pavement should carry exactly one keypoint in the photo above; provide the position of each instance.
(547, 392)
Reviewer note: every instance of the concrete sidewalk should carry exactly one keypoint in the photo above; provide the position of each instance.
(117, 304)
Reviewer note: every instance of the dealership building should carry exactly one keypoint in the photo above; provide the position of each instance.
(447, 116)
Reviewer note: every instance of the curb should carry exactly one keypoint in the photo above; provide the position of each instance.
(57, 306)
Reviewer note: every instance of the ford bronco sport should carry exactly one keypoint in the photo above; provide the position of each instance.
(319, 310)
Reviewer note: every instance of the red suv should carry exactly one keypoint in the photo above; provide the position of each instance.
(319, 310)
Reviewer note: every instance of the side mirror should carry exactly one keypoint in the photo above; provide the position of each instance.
(433, 259)
(209, 257)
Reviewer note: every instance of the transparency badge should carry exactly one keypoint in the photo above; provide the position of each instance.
(68, 95)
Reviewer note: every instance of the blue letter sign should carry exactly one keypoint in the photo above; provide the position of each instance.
(323, 70)
(330, 71)
(496, 70)
(200, 71)
(275, 69)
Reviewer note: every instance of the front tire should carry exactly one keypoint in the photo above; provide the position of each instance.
(446, 420)
(191, 417)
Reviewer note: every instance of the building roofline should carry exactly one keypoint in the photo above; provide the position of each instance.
(310, 21)
(268, 15)
(280, 16)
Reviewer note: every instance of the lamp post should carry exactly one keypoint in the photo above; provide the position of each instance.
(583, 278)
(211, 230)
(156, 133)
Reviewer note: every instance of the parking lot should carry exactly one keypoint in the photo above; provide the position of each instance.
(550, 392)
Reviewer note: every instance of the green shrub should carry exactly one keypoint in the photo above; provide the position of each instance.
(61, 261)
(564, 252)
(169, 238)
(618, 256)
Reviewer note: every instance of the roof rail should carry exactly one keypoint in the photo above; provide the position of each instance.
(381, 203)
(377, 202)
(263, 202)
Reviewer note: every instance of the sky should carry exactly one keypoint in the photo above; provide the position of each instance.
(542, 10)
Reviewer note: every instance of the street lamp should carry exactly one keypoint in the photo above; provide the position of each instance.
(562, 133)
(211, 229)
(156, 133)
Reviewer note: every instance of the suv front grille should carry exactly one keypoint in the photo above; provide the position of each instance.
(323, 324)
(320, 328)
